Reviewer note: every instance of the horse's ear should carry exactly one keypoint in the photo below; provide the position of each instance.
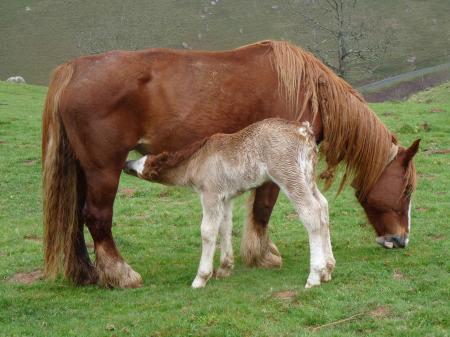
(412, 150)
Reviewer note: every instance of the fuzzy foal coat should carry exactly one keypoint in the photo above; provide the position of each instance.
(226, 165)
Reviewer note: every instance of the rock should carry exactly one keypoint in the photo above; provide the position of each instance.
(275, 7)
(15, 79)
(185, 45)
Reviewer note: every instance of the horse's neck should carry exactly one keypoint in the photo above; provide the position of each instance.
(177, 176)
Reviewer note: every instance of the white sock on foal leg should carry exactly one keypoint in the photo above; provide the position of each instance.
(212, 217)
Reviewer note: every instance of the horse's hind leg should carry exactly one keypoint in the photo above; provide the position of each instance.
(226, 246)
(326, 239)
(301, 194)
(113, 271)
(256, 247)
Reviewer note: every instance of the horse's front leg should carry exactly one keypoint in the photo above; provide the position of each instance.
(212, 218)
(113, 271)
(226, 245)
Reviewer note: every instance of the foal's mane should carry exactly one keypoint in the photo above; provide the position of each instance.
(157, 165)
(352, 131)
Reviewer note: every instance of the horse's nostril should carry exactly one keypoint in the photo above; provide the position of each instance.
(400, 241)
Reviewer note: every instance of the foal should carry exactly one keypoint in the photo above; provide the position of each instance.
(226, 165)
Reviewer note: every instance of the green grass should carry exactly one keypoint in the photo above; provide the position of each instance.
(392, 292)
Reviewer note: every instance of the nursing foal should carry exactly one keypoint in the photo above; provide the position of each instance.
(225, 165)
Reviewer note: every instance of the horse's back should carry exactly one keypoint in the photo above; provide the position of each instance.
(169, 98)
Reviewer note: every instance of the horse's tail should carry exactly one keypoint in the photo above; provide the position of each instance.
(61, 181)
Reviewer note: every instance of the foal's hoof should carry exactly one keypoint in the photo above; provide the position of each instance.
(223, 272)
(316, 277)
(312, 283)
(199, 282)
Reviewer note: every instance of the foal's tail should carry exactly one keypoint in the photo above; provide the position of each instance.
(61, 181)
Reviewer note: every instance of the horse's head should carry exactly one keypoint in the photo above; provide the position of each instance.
(388, 203)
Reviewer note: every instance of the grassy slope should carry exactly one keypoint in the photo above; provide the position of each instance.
(52, 31)
(396, 292)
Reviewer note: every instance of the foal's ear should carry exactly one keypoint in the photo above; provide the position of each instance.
(412, 150)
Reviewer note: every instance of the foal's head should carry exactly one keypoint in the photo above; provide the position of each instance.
(388, 203)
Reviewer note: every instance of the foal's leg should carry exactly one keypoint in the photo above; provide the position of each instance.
(326, 240)
(212, 218)
(98, 212)
(226, 246)
(256, 247)
(309, 211)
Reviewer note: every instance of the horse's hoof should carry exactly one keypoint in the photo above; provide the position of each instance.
(119, 275)
(223, 272)
(199, 282)
(326, 277)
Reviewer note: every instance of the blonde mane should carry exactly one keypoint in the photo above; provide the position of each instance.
(352, 131)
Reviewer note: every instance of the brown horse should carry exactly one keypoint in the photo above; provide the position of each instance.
(98, 108)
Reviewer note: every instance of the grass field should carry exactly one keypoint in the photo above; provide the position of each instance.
(374, 292)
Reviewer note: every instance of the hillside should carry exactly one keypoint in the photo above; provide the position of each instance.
(36, 35)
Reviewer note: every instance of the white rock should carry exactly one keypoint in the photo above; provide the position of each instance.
(15, 79)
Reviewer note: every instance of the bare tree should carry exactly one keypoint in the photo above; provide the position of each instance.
(344, 37)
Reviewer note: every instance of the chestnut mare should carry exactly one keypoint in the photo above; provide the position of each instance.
(100, 107)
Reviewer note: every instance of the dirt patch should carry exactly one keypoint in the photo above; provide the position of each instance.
(164, 193)
(2, 142)
(286, 295)
(127, 192)
(398, 275)
(425, 127)
(404, 89)
(30, 162)
(32, 237)
(437, 151)
(380, 313)
(292, 216)
(427, 176)
(436, 110)
(27, 278)
(438, 237)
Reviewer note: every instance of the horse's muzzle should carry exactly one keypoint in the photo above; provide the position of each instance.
(393, 241)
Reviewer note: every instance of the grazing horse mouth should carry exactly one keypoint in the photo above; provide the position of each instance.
(393, 241)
